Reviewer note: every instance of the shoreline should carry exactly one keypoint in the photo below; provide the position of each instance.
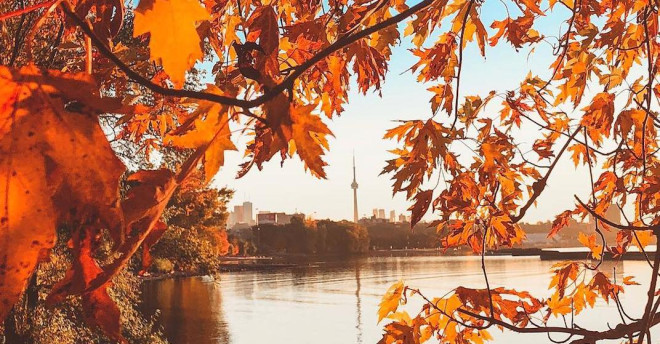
(269, 263)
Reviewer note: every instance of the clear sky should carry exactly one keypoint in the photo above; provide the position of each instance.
(362, 125)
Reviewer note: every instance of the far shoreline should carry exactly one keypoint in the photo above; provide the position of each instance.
(287, 261)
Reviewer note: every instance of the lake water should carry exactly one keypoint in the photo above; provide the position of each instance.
(336, 302)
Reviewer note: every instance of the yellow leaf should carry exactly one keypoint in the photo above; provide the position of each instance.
(559, 305)
(174, 40)
(390, 301)
(644, 238)
(590, 242)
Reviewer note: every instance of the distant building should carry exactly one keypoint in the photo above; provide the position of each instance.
(402, 218)
(392, 216)
(242, 214)
(247, 213)
(264, 218)
(238, 214)
(375, 212)
(381, 213)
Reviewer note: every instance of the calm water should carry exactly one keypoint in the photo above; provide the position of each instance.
(336, 302)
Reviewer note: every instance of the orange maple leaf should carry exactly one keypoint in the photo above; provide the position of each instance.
(174, 41)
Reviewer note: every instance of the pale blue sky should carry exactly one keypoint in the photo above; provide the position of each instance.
(362, 125)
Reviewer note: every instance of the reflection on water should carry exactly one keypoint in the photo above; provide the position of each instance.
(190, 309)
(358, 309)
(336, 302)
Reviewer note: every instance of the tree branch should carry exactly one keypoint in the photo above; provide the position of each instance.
(270, 94)
(460, 63)
(26, 10)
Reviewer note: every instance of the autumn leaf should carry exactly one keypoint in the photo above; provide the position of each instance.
(263, 26)
(598, 117)
(642, 239)
(559, 305)
(601, 283)
(583, 297)
(579, 153)
(492, 153)
(210, 130)
(421, 205)
(309, 136)
(174, 41)
(517, 31)
(561, 221)
(98, 308)
(142, 209)
(58, 166)
(628, 280)
(390, 301)
(106, 16)
(589, 241)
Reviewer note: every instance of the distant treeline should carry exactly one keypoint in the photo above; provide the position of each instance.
(310, 237)
(385, 236)
(330, 237)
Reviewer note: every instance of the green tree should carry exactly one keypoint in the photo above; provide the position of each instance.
(196, 236)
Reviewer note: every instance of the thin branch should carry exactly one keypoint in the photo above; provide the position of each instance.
(565, 45)
(593, 196)
(460, 63)
(616, 225)
(540, 184)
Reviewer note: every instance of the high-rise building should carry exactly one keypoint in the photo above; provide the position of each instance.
(402, 218)
(247, 213)
(381, 214)
(392, 216)
(375, 212)
(238, 214)
(354, 186)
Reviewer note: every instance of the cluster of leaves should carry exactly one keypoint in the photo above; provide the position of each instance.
(279, 68)
(610, 47)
